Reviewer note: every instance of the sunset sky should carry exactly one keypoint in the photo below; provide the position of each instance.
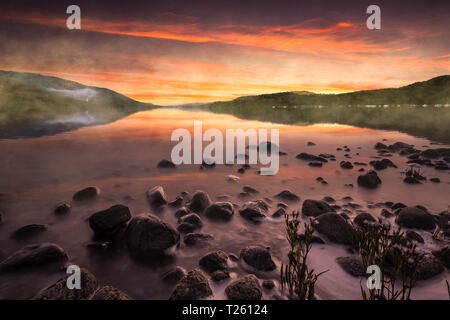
(173, 52)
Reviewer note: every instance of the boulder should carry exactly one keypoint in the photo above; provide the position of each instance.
(192, 286)
(108, 222)
(214, 261)
(199, 202)
(109, 293)
(86, 194)
(156, 196)
(363, 218)
(220, 211)
(415, 218)
(254, 210)
(334, 227)
(189, 223)
(352, 265)
(314, 208)
(244, 288)
(174, 275)
(181, 212)
(166, 164)
(258, 257)
(147, 235)
(369, 180)
(346, 165)
(287, 195)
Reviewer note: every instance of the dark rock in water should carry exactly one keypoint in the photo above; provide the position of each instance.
(166, 164)
(281, 212)
(156, 197)
(430, 153)
(199, 202)
(386, 213)
(220, 211)
(334, 227)
(220, 275)
(315, 164)
(258, 257)
(415, 218)
(191, 239)
(346, 165)
(147, 235)
(397, 146)
(177, 202)
(268, 284)
(352, 265)
(62, 208)
(241, 170)
(287, 195)
(213, 261)
(315, 239)
(310, 157)
(109, 293)
(28, 231)
(249, 189)
(34, 256)
(382, 164)
(174, 275)
(86, 194)
(363, 218)
(412, 235)
(411, 180)
(443, 255)
(320, 179)
(244, 288)
(398, 205)
(108, 222)
(369, 180)
(429, 267)
(360, 163)
(310, 143)
(189, 223)
(328, 199)
(282, 205)
(181, 212)
(244, 195)
(314, 208)
(193, 286)
(435, 180)
(379, 146)
(60, 291)
(253, 210)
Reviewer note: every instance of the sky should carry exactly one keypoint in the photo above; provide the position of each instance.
(175, 52)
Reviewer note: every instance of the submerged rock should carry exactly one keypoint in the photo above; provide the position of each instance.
(382, 164)
(258, 257)
(156, 197)
(192, 286)
(244, 288)
(108, 222)
(220, 211)
(86, 194)
(415, 218)
(314, 208)
(369, 180)
(310, 157)
(287, 195)
(28, 231)
(147, 234)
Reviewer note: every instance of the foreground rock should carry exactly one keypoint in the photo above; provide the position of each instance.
(214, 261)
(156, 197)
(34, 256)
(87, 194)
(415, 218)
(193, 286)
(60, 291)
(147, 235)
(199, 202)
(107, 223)
(109, 293)
(244, 288)
(369, 180)
(352, 265)
(314, 208)
(189, 223)
(220, 211)
(334, 227)
(287, 195)
(174, 275)
(258, 257)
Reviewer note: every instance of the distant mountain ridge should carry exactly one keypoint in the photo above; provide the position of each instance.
(33, 105)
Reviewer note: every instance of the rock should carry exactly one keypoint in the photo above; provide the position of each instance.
(34, 256)
(411, 180)
(443, 255)
(412, 235)
(380, 146)
(174, 275)
(398, 205)
(244, 288)
(87, 194)
(181, 212)
(352, 265)
(415, 218)
(193, 286)
(310, 157)
(435, 180)
(220, 211)
(314, 208)
(281, 212)
(369, 180)
(310, 143)
(268, 284)
(430, 153)
(166, 164)
(253, 210)
(108, 222)
(315, 164)
(346, 165)
(382, 164)
(147, 235)
(334, 227)
(189, 223)
(250, 190)
(363, 218)
(109, 293)
(220, 275)
(258, 257)
(60, 291)
(98, 247)
(287, 195)
(191, 239)
(386, 213)
(177, 202)
(214, 261)
(328, 199)
(28, 231)
(156, 197)
(62, 208)
(199, 202)
(429, 267)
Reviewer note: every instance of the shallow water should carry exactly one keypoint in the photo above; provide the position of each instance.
(120, 158)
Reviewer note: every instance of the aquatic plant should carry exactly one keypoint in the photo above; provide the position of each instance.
(415, 173)
(296, 275)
